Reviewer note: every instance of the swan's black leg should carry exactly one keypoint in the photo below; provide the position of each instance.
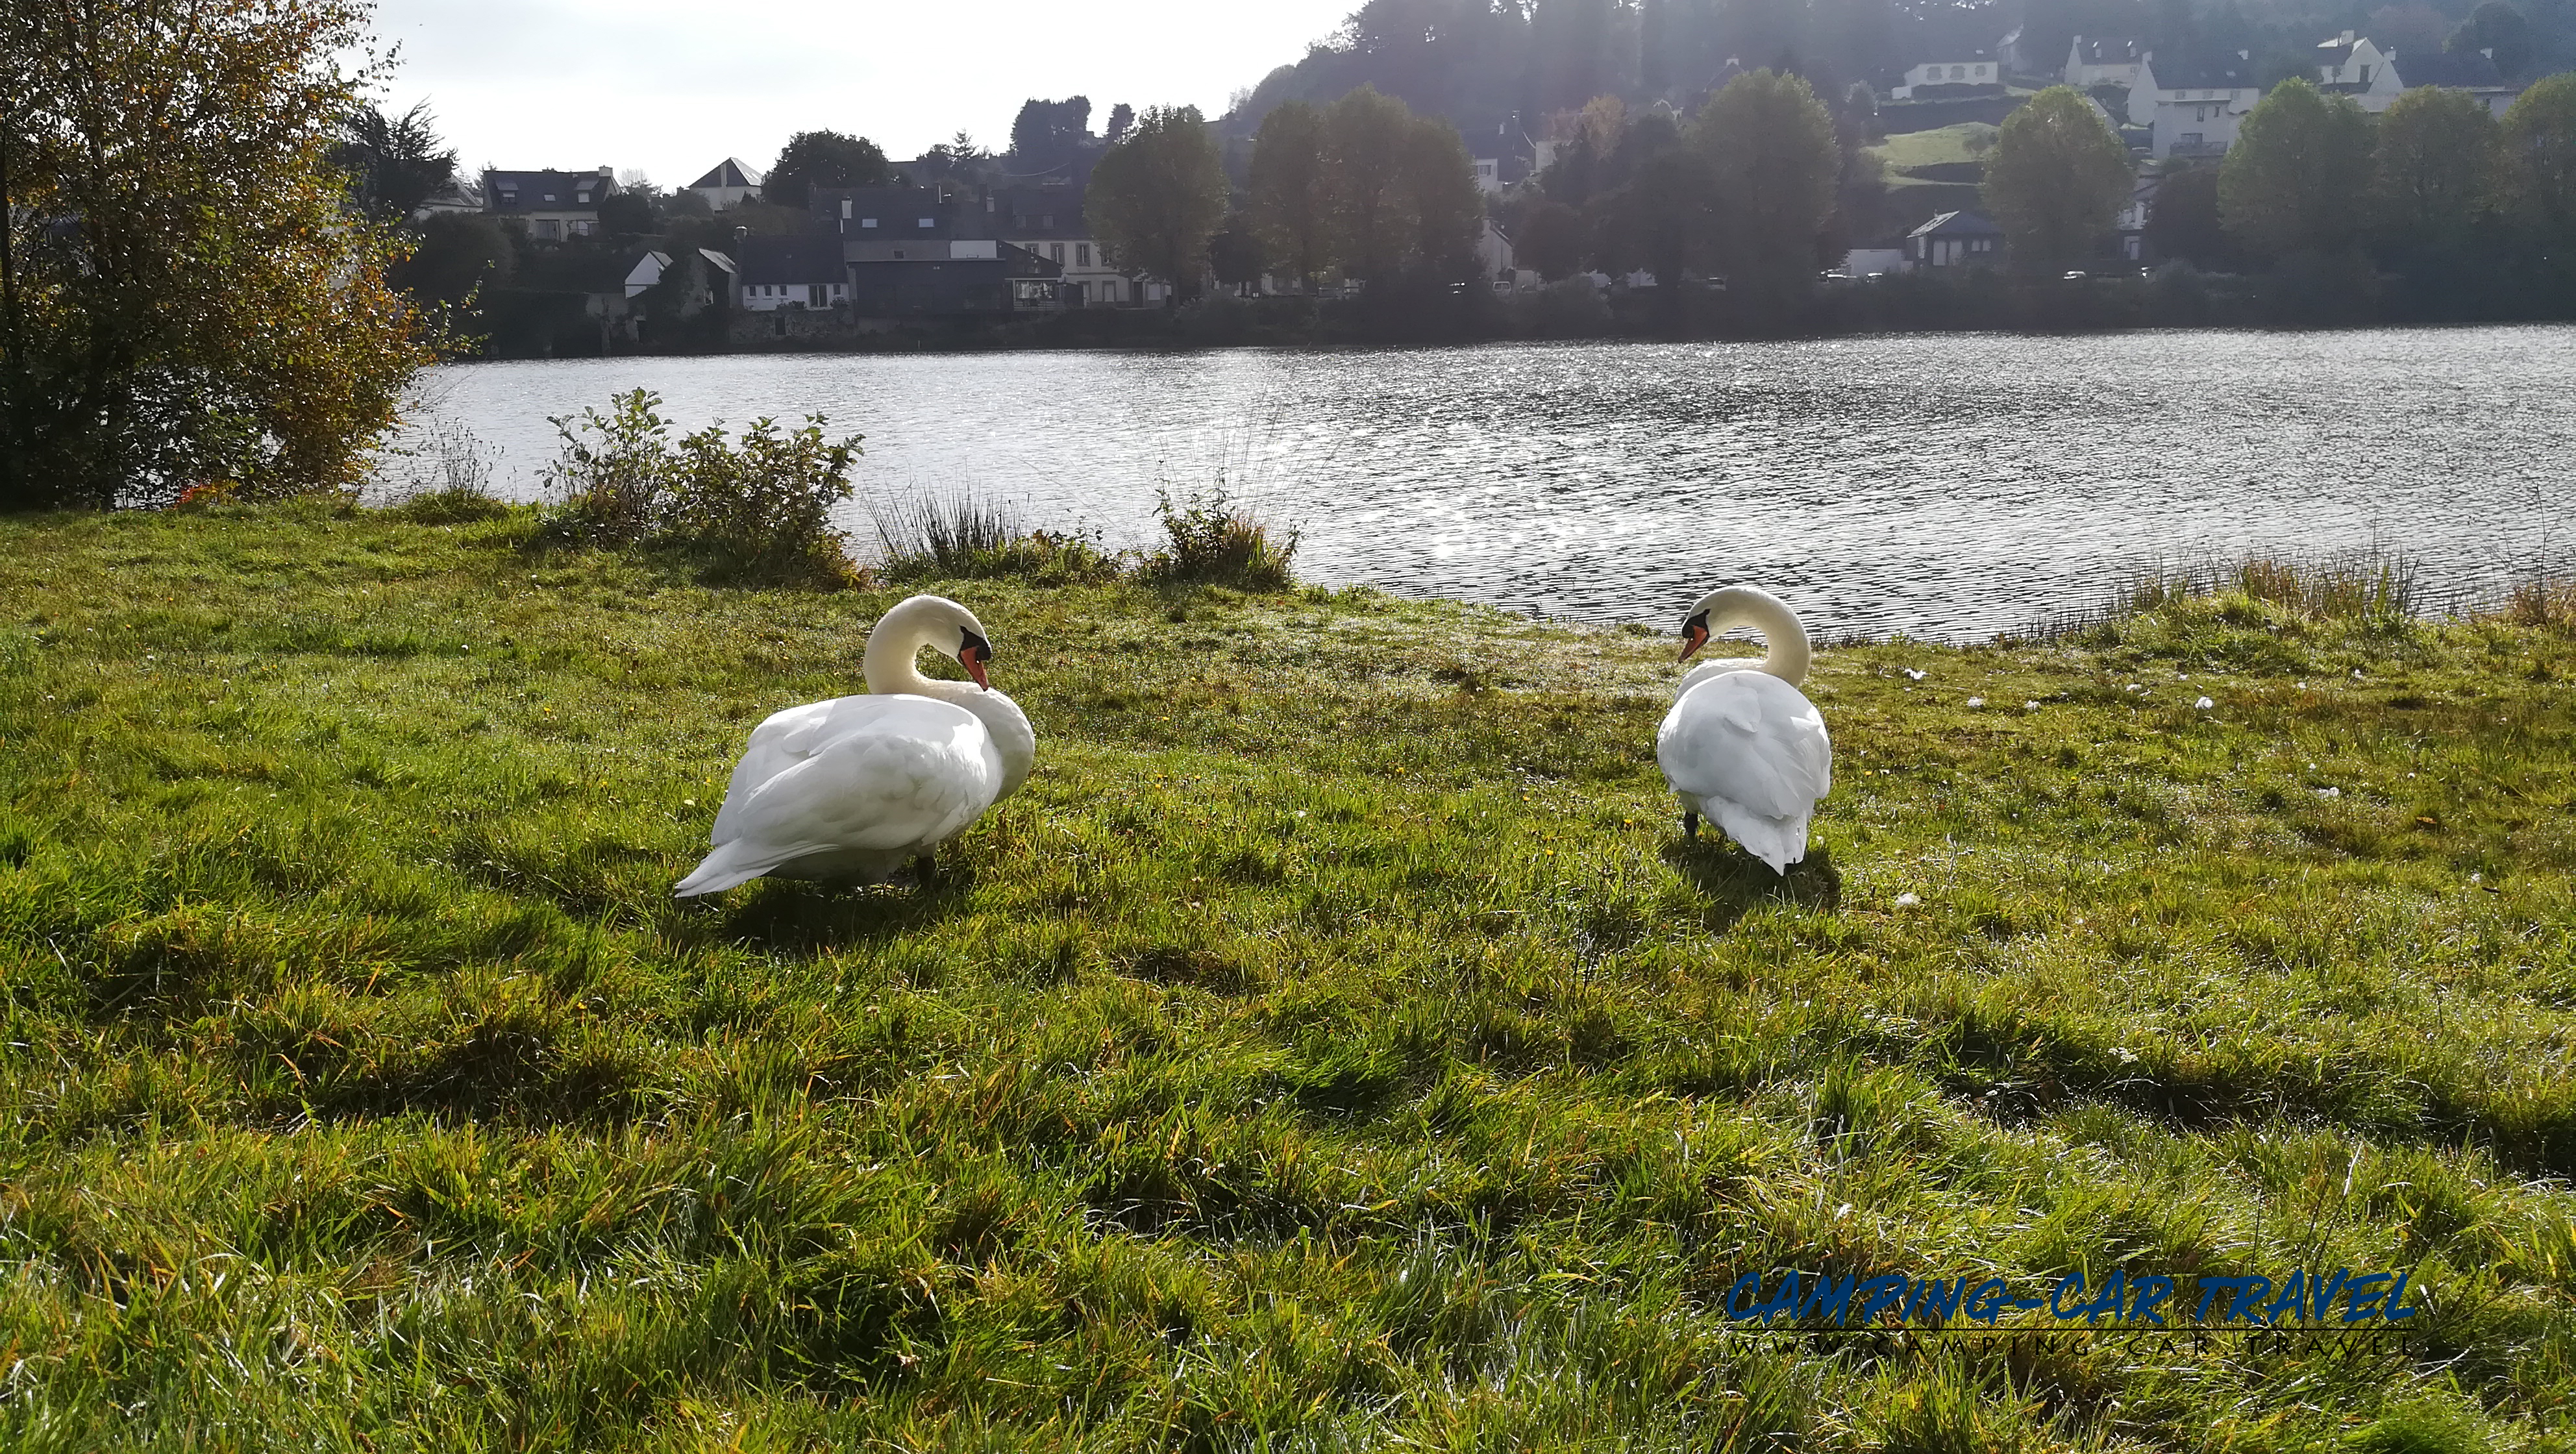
(1690, 825)
(925, 869)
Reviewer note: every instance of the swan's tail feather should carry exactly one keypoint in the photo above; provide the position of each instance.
(725, 868)
(1778, 842)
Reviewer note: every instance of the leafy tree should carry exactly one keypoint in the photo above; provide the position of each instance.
(458, 253)
(825, 159)
(2182, 221)
(1121, 117)
(2537, 175)
(1049, 134)
(958, 157)
(2432, 176)
(632, 212)
(1661, 221)
(184, 301)
(1554, 242)
(1235, 253)
(1448, 211)
(2499, 28)
(1158, 195)
(2055, 179)
(393, 163)
(1368, 141)
(2295, 180)
(1292, 197)
(1773, 165)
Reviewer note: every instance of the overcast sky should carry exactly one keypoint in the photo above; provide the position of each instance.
(671, 87)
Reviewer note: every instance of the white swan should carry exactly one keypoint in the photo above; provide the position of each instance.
(852, 788)
(1742, 745)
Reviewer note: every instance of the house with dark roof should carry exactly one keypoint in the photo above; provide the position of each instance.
(1980, 70)
(2192, 108)
(791, 272)
(1049, 221)
(553, 205)
(729, 183)
(2471, 71)
(897, 252)
(1955, 239)
(2091, 63)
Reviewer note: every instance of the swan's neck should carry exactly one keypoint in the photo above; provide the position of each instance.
(1785, 651)
(893, 662)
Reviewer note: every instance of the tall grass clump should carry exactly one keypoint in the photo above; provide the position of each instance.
(1212, 539)
(2374, 591)
(446, 478)
(930, 536)
(2542, 601)
(753, 512)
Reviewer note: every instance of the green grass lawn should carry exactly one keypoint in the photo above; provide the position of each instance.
(1969, 141)
(1333, 1047)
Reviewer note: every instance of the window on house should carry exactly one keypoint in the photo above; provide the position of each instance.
(550, 196)
(1081, 254)
(1055, 252)
(929, 222)
(867, 222)
(845, 209)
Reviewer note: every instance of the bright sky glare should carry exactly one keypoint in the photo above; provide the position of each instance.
(671, 87)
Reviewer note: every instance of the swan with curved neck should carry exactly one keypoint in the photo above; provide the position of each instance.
(1742, 745)
(1786, 654)
(853, 788)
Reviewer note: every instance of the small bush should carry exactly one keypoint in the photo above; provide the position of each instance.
(446, 478)
(1215, 541)
(929, 536)
(753, 513)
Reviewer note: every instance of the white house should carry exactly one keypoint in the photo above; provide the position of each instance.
(2375, 78)
(2193, 110)
(554, 205)
(1489, 175)
(729, 183)
(2349, 60)
(2091, 63)
(649, 268)
(1977, 70)
(1049, 221)
(2471, 71)
(792, 272)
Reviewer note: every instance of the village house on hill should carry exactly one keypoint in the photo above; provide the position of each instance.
(553, 205)
(2352, 65)
(2192, 109)
(1980, 69)
(729, 183)
(2091, 63)
(1048, 220)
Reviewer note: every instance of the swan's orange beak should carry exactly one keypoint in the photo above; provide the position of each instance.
(972, 657)
(1693, 638)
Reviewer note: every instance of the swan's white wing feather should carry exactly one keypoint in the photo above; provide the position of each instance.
(1748, 738)
(798, 734)
(895, 775)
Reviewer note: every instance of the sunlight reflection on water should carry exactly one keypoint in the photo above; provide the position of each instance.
(1933, 485)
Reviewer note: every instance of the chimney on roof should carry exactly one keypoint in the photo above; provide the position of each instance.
(2245, 55)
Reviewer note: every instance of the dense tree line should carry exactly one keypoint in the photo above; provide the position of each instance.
(1502, 70)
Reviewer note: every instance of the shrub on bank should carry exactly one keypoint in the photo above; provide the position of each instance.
(1214, 540)
(753, 513)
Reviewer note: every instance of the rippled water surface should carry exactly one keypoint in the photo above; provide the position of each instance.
(1935, 485)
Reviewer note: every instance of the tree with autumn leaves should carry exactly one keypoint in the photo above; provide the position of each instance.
(187, 302)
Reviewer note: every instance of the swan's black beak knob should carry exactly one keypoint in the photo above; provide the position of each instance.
(972, 653)
(1694, 636)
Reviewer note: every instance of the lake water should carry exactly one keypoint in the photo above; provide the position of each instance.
(1937, 485)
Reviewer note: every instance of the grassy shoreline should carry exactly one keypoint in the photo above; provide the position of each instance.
(1332, 1047)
